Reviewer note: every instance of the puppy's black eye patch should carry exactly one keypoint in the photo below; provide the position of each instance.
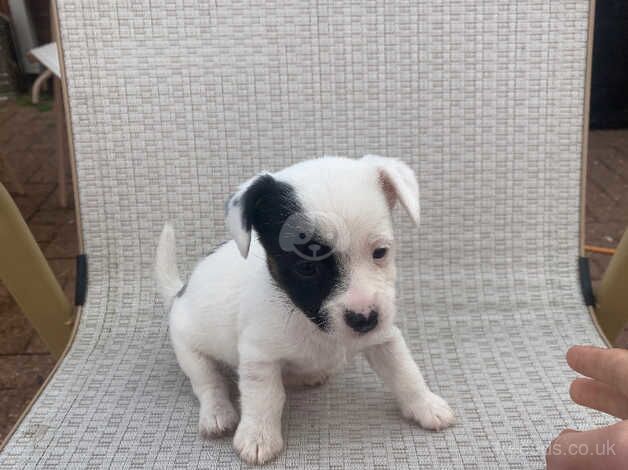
(306, 268)
(301, 265)
(380, 253)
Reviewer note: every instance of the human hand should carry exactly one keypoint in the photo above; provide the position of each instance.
(604, 388)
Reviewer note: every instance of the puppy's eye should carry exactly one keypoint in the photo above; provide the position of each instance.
(380, 253)
(306, 269)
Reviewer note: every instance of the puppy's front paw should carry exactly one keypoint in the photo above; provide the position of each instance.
(216, 420)
(257, 444)
(430, 411)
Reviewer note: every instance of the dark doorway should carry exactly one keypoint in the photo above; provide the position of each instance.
(609, 81)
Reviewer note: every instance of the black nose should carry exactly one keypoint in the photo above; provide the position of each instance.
(360, 322)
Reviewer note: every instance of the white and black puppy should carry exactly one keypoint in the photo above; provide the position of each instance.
(307, 282)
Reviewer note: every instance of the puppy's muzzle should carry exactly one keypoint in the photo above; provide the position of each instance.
(360, 322)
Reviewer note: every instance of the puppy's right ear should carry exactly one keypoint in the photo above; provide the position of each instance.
(399, 182)
(240, 208)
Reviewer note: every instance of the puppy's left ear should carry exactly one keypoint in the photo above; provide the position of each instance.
(398, 182)
(240, 207)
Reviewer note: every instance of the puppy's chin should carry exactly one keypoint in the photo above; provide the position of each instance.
(322, 320)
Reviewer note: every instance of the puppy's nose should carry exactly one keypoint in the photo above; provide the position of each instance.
(360, 322)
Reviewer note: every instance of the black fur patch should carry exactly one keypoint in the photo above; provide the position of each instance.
(308, 276)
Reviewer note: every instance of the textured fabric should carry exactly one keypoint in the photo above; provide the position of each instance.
(175, 103)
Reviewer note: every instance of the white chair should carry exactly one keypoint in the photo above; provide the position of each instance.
(173, 105)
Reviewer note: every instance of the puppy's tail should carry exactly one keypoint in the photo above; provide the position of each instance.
(166, 271)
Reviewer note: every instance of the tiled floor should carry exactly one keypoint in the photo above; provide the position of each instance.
(27, 136)
(607, 193)
(27, 139)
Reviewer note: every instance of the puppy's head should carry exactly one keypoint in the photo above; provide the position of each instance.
(326, 227)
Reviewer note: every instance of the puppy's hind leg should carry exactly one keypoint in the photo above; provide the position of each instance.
(217, 415)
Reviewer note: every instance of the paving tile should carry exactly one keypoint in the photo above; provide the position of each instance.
(36, 345)
(43, 233)
(12, 403)
(607, 194)
(53, 216)
(15, 330)
(52, 203)
(65, 242)
(26, 163)
(34, 196)
(25, 370)
(605, 233)
(46, 173)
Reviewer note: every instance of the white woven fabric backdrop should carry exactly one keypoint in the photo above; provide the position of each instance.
(174, 103)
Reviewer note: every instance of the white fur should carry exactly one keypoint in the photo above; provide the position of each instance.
(233, 313)
(166, 271)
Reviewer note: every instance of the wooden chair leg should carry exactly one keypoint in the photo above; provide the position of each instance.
(28, 277)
